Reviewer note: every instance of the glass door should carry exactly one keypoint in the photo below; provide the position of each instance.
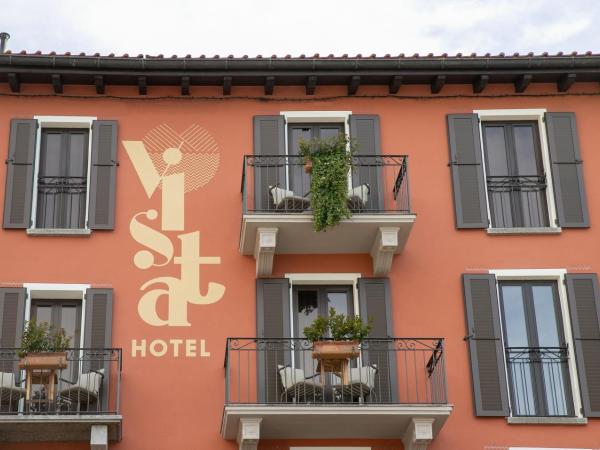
(310, 302)
(536, 351)
(299, 180)
(65, 314)
(515, 174)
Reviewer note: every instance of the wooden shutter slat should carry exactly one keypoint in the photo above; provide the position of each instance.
(567, 173)
(468, 181)
(272, 321)
(485, 345)
(12, 322)
(103, 175)
(365, 130)
(19, 175)
(98, 333)
(269, 140)
(375, 304)
(584, 307)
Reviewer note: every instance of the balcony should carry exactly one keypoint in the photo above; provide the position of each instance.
(84, 405)
(277, 218)
(275, 389)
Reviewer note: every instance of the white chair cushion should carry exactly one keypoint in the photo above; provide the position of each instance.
(290, 376)
(90, 381)
(280, 194)
(364, 375)
(7, 380)
(361, 192)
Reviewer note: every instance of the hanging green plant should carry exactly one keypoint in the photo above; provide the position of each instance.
(331, 160)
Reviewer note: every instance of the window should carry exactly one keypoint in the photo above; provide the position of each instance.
(535, 349)
(61, 175)
(299, 180)
(533, 338)
(517, 171)
(515, 177)
(62, 179)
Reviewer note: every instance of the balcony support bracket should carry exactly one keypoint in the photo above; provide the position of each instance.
(418, 434)
(99, 437)
(385, 246)
(264, 250)
(249, 433)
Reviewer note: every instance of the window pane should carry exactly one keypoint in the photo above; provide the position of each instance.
(495, 148)
(525, 149)
(514, 316)
(329, 131)
(43, 314)
(299, 179)
(50, 155)
(77, 155)
(338, 301)
(69, 323)
(545, 316)
(308, 309)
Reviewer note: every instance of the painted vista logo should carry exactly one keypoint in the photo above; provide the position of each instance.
(173, 164)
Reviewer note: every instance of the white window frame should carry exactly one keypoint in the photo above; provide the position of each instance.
(557, 275)
(342, 117)
(502, 115)
(50, 291)
(82, 122)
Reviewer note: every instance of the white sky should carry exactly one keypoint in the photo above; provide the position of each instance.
(280, 27)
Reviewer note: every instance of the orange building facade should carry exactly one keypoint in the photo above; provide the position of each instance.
(158, 210)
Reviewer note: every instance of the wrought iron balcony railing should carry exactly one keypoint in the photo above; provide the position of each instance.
(90, 384)
(61, 202)
(518, 201)
(284, 371)
(539, 381)
(279, 184)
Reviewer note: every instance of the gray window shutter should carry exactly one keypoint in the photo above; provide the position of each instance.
(567, 173)
(364, 129)
(375, 304)
(485, 345)
(269, 170)
(19, 175)
(468, 182)
(584, 306)
(273, 323)
(103, 175)
(98, 335)
(12, 322)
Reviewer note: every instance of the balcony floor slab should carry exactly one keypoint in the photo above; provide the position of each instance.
(329, 422)
(47, 428)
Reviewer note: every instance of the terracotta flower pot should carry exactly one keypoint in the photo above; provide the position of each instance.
(47, 360)
(335, 349)
(308, 165)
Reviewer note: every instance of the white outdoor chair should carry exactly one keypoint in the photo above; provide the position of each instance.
(298, 387)
(10, 393)
(358, 197)
(360, 385)
(85, 390)
(286, 200)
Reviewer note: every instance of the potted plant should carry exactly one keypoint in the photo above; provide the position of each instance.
(329, 161)
(43, 347)
(346, 333)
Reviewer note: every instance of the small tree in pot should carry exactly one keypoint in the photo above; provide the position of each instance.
(43, 347)
(346, 333)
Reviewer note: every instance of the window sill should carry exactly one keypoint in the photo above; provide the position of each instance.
(59, 231)
(524, 230)
(547, 420)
